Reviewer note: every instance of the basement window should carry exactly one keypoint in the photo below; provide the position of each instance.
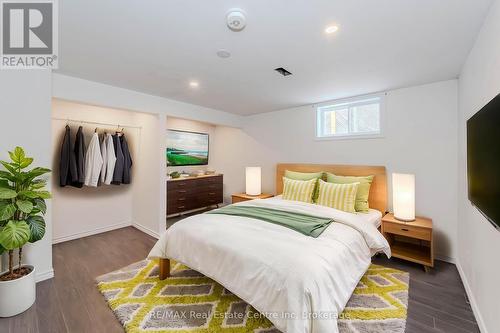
(359, 117)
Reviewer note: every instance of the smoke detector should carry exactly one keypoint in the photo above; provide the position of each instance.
(236, 19)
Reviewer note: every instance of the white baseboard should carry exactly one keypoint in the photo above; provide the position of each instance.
(90, 232)
(146, 230)
(472, 299)
(42, 276)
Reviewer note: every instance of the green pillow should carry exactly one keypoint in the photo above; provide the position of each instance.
(305, 176)
(363, 188)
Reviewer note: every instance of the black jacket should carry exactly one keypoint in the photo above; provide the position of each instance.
(67, 164)
(120, 161)
(80, 158)
(127, 161)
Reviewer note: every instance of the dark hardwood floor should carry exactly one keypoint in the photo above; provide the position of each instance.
(71, 303)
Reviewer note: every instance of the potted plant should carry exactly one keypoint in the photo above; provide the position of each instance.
(22, 206)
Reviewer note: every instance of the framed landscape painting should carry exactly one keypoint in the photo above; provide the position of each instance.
(186, 148)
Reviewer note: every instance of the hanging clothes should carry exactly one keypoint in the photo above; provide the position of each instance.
(80, 158)
(93, 162)
(120, 161)
(104, 155)
(67, 162)
(127, 161)
(110, 160)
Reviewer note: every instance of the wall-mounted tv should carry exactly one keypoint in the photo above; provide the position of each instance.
(483, 160)
(186, 148)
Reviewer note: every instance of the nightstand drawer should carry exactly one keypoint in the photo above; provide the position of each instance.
(407, 230)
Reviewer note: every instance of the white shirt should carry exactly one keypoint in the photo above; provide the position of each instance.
(110, 159)
(93, 162)
(104, 154)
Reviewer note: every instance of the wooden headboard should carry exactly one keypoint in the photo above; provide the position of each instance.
(378, 190)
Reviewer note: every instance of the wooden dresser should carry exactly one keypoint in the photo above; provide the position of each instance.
(190, 193)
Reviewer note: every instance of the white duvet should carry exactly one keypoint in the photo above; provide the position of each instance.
(299, 282)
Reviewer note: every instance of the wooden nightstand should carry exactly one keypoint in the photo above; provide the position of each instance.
(239, 197)
(410, 241)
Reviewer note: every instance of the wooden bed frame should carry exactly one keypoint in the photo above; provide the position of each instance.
(378, 190)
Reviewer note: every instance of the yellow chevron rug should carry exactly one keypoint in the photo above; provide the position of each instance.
(189, 302)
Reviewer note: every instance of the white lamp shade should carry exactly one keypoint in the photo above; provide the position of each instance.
(403, 196)
(253, 181)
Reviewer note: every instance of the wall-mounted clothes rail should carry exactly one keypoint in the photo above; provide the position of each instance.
(95, 123)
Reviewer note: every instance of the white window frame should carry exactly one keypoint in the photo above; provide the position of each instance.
(351, 100)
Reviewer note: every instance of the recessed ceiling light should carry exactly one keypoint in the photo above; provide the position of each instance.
(194, 84)
(331, 29)
(223, 53)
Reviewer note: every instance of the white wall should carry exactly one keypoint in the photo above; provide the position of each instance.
(25, 108)
(149, 190)
(420, 138)
(89, 92)
(479, 242)
(79, 212)
(192, 126)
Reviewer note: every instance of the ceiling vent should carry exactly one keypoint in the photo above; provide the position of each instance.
(283, 71)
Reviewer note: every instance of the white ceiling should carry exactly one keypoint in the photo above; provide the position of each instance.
(158, 46)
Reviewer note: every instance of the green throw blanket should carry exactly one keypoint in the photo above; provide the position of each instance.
(305, 224)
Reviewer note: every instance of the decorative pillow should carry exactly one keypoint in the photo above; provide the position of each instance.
(363, 188)
(338, 196)
(305, 176)
(298, 190)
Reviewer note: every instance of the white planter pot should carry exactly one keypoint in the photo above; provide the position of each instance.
(18, 295)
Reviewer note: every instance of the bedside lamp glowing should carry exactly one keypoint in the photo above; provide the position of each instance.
(253, 181)
(403, 196)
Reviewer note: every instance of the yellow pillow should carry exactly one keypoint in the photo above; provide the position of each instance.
(338, 196)
(363, 193)
(298, 190)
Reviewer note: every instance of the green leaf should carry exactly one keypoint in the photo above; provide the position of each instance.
(7, 210)
(37, 228)
(6, 193)
(26, 162)
(24, 206)
(40, 205)
(10, 167)
(8, 176)
(43, 194)
(38, 184)
(36, 172)
(17, 155)
(2, 249)
(14, 235)
(28, 194)
(4, 183)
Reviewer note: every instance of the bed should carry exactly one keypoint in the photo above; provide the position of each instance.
(298, 282)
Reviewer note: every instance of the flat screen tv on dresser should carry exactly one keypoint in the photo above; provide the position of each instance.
(483, 160)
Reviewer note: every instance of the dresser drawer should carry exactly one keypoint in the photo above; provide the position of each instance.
(408, 230)
(177, 207)
(209, 188)
(182, 192)
(180, 184)
(210, 180)
(209, 198)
